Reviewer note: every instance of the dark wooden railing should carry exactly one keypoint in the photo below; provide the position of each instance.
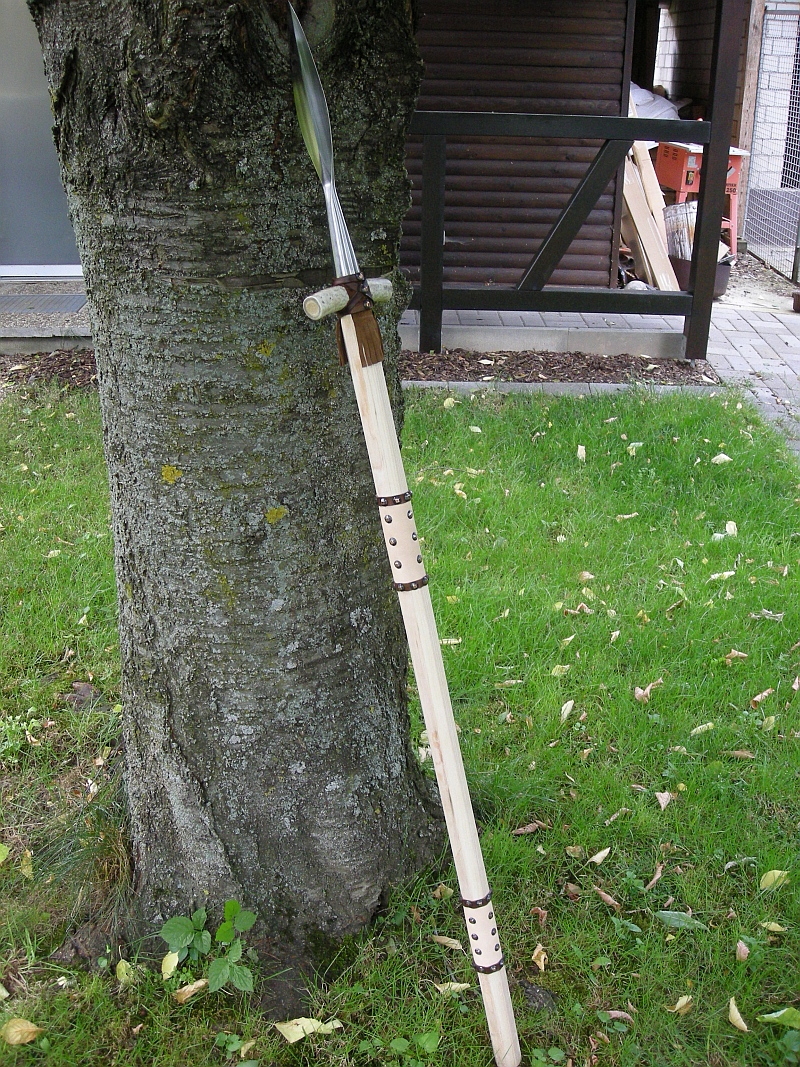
(617, 135)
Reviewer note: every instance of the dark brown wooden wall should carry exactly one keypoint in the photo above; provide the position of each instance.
(503, 196)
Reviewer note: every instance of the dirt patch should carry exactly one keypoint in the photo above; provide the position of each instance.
(458, 365)
(754, 285)
(71, 368)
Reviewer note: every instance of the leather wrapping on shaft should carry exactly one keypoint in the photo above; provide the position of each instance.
(397, 522)
(483, 940)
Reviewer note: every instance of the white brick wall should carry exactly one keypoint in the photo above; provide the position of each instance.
(683, 57)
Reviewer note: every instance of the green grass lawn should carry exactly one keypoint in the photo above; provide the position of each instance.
(578, 550)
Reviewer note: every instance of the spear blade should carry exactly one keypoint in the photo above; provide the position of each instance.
(315, 126)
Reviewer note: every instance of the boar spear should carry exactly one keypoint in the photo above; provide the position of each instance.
(351, 296)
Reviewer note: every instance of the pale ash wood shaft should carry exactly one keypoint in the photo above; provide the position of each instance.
(334, 298)
(390, 480)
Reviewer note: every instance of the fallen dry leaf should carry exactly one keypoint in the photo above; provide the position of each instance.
(539, 957)
(774, 879)
(447, 942)
(615, 634)
(169, 965)
(509, 683)
(450, 640)
(296, 1029)
(773, 928)
(449, 403)
(573, 891)
(442, 892)
(682, 1006)
(598, 857)
(607, 899)
(615, 1013)
(616, 815)
(643, 695)
(734, 654)
(768, 722)
(452, 987)
(531, 828)
(739, 753)
(742, 951)
(704, 728)
(759, 697)
(796, 684)
(633, 515)
(721, 458)
(540, 914)
(735, 1018)
(582, 609)
(663, 799)
(566, 708)
(765, 613)
(26, 864)
(560, 670)
(575, 851)
(731, 529)
(656, 875)
(19, 1032)
(585, 576)
(581, 453)
(185, 992)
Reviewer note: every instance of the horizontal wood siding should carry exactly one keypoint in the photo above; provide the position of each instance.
(503, 195)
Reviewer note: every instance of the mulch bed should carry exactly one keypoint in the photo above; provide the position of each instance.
(71, 368)
(458, 365)
(74, 368)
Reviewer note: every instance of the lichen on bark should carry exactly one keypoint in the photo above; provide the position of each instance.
(264, 665)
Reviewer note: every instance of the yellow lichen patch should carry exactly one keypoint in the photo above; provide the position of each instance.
(275, 515)
(266, 348)
(170, 474)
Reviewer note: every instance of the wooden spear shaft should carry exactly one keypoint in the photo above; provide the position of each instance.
(405, 558)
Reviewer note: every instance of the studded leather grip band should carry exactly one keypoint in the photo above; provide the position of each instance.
(402, 542)
(487, 956)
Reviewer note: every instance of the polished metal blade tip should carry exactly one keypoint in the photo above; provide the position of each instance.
(315, 126)
(309, 99)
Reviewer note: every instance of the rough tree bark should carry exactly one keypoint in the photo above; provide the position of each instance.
(264, 665)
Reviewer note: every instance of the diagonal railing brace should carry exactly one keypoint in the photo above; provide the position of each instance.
(588, 192)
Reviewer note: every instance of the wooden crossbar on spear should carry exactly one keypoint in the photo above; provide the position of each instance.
(351, 296)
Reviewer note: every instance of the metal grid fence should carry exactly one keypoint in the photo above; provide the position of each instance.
(772, 208)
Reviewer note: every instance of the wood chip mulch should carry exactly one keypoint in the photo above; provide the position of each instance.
(74, 368)
(457, 365)
(71, 368)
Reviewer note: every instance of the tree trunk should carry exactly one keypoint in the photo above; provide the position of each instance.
(264, 664)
